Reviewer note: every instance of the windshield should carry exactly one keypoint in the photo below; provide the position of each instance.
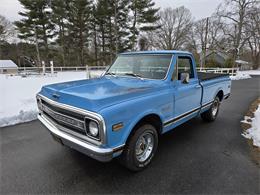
(142, 66)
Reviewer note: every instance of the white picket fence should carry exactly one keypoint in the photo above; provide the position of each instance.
(60, 68)
(91, 71)
(231, 71)
(100, 69)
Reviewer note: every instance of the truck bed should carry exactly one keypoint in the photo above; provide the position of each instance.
(203, 76)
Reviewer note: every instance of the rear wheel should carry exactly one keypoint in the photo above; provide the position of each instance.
(211, 114)
(140, 148)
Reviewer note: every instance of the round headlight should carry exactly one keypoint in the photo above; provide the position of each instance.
(93, 128)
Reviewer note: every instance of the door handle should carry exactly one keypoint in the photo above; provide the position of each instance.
(197, 86)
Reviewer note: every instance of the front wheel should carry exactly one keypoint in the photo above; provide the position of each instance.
(140, 148)
(211, 114)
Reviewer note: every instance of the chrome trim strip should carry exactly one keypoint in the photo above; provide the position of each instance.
(185, 115)
(86, 113)
(89, 118)
(53, 129)
(181, 116)
(206, 104)
(61, 134)
(66, 116)
(72, 133)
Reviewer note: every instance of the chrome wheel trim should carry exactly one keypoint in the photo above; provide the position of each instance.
(215, 108)
(144, 146)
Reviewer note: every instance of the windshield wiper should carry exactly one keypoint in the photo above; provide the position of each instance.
(110, 73)
(134, 75)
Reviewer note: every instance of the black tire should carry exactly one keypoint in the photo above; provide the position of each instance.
(211, 114)
(129, 157)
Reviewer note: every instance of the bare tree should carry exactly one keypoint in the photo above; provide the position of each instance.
(193, 44)
(175, 28)
(216, 39)
(208, 35)
(6, 29)
(253, 31)
(201, 30)
(235, 12)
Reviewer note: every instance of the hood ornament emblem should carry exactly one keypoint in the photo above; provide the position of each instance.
(55, 95)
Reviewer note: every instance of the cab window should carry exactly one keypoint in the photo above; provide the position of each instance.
(184, 65)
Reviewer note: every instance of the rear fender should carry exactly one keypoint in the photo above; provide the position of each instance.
(217, 91)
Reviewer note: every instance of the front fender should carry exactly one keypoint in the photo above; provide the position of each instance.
(131, 112)
(138, 118)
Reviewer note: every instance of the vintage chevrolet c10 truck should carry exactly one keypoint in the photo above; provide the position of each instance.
(121, 114)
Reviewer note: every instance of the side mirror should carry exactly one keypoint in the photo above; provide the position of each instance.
(185, 78)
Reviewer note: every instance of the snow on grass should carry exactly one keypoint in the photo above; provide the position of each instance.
(17, 94)
(240, 75)
(251, 72)
(253, 132)
(245, 74)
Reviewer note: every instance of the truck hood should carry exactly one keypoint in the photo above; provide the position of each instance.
(96, 94)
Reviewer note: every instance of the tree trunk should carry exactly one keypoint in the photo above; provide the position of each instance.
(95, 45)
(45, 39)
(256, 61)
(115, 28)
(81, 43)
(37, 48)
(111, 41)
(62, 45)
(134, 27)
(103, 44)
(204, 47)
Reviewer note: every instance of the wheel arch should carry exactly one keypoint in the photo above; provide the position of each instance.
(220, 94)
(151, 118)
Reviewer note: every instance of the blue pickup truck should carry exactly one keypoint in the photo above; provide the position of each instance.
(121, 114)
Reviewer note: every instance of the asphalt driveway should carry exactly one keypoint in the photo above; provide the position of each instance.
(195, 158)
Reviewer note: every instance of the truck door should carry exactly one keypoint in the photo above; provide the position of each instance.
(187, 95)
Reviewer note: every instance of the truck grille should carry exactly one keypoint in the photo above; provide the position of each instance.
(71, 121)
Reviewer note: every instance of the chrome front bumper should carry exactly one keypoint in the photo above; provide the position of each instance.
(96, 152)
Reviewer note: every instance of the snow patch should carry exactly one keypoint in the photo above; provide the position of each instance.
(247, 120)
(251, 72)
(17, 94)
(254, 132)
(240, 75)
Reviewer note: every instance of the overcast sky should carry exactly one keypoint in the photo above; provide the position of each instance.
(199, 8)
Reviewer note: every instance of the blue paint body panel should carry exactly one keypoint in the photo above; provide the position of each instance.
(127, 99)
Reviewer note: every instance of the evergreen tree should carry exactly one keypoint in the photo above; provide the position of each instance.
(36, 24)
(103, 22)
(79, 24)
(94, 33)
(144, 18)
(85, 31)
(121, 25)
(60, 20)
(112, 27)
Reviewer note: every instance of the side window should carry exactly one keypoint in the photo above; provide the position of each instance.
(185, 66)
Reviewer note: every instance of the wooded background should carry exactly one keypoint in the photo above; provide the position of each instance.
(86, 32)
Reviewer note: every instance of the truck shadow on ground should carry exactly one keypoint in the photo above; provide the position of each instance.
(169, 144)
(167, 141)
(174, 160)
